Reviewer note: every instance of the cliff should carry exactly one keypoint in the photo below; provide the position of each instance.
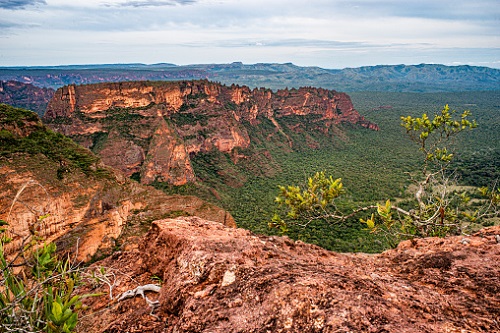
(151, 129)
(215, 279)
(53, 189)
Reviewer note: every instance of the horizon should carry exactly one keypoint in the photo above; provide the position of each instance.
(333, 34)
(169, 64)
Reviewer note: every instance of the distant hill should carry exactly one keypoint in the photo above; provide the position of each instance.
(25, 96)
(393, 78)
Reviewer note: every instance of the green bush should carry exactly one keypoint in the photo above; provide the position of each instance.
(38, 139)
(40, 299)
(436, 209)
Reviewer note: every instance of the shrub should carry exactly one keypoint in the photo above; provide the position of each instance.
(436, 209)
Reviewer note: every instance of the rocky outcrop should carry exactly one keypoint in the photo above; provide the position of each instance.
(155, 126)
(25, 95)
(63, 194)
(216, 279)
(96, 98)
(85, 215)
(168, 160)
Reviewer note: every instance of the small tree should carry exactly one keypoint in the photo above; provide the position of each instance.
(437, 209)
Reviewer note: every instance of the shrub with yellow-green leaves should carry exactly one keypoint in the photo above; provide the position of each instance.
(436, 209)
(37, 294)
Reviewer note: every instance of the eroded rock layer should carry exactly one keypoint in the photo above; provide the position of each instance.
(52, 190)
(216, 279)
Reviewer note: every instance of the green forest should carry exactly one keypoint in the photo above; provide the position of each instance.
(374, 166)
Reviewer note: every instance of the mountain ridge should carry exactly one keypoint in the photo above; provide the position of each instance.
(398, 78)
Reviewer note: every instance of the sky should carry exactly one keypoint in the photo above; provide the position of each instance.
(325, 33)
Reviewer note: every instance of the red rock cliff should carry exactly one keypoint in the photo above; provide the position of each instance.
(138, 127)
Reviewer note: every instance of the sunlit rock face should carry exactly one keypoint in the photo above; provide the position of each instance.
(152, 128)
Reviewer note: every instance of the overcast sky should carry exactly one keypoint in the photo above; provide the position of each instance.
(325, 33)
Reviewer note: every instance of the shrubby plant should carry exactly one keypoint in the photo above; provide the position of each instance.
(436, 209)
(38, 293)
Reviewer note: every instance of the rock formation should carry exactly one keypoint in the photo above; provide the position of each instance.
(151, 128)
(87, 213)
(216, 279)
(86, 216)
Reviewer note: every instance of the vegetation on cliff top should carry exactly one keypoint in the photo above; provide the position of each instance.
(21, 131)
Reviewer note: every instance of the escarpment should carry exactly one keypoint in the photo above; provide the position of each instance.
(25, 95)
(150, 130)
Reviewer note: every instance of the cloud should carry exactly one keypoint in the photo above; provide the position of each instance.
(7, 25)
(291, 42)
(152, 3)
(314, 32)
(20, 4)
(443, 10)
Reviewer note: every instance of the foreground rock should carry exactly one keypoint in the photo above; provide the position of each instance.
(217, 279)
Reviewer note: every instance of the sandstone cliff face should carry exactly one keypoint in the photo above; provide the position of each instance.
(64, 194)
(168, 160)
(96, 98)
(155, 126)
(85, 215)
(216, 279)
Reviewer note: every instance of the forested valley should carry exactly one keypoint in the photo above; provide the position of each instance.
(374, 165)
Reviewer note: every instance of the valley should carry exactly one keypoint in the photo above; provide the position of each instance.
(163, 172)
(232, 146)
(372, 164)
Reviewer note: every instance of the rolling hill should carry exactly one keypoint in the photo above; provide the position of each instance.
(397, 78)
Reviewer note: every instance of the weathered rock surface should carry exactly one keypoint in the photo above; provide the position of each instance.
(87, 216)
(216, 279)
(155, 126)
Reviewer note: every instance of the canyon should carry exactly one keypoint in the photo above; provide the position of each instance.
(55, 190)
(208, 275)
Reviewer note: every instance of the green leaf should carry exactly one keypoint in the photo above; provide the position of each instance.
(57, 311)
